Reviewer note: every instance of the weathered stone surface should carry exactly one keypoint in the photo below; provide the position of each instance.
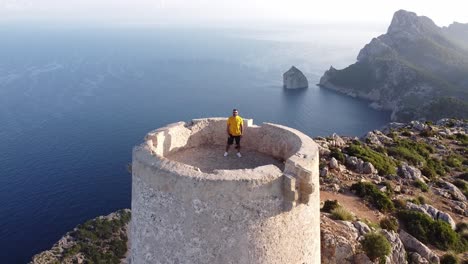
(333, 163)
(455, 192)
(419, 126)
(294, 79)
(180, 214)
(337, 141)
(412, 244)
(351, 162)
(324, 172)
(398, 252)
(377, 138)
(415, 258)
(362, 227)
(338, 241)
(410, 172)
(368, 168)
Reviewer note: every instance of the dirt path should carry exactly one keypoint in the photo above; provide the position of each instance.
(353, 204)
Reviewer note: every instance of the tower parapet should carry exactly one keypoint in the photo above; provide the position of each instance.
(192, 205)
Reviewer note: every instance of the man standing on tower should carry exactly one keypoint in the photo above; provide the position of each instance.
(234, 129)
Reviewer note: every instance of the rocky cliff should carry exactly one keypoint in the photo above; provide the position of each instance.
(416, 70)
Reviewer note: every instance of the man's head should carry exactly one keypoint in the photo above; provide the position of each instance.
(234, 112)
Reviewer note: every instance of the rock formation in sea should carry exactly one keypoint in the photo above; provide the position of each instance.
(294, 79)
(417, 70)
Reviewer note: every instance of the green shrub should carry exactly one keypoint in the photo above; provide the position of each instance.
(462, 139)
(389, 188)
(427, 230)
(338, 155)
(433, 168)
(454, 161)
(462, 185)
(412, 151)
(101, 240)
(427, 133)
(340, 213)
(406, 133)
(421, 200)
(421, 185)
(449, 259)
(369, 192)
(330, 205)
(389, 223)
(399, 203)
(376, 246)
(381, 162)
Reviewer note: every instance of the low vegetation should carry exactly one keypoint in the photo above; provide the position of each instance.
(330, 205)
(101, 240)
(340, 213)
(370, 193)
(389, 223)
(430, 231)
(449, 259)
(381, 162)
(421, 185)
(376, 246)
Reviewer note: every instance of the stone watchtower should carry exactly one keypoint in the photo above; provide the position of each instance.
(192, 205)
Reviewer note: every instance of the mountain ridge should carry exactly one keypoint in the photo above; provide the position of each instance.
(413, 69)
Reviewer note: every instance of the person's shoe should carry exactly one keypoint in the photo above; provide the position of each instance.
(239, 155)
(225, 154)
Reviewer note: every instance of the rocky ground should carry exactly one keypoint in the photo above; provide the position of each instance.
(398, 195)
(413, 175)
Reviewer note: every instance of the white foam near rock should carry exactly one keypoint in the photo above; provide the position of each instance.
(294, 79)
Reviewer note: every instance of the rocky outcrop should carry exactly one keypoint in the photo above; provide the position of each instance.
(410, 172)
(455, 192)
(433, 212)
(377, 138)
(414, 245)
(294, 79)
(398, 252)
(359, 166)
(340, 242)
(394, 72)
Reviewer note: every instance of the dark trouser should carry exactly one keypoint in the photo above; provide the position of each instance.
(231, 140)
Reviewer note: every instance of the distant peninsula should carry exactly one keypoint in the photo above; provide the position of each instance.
(417, 70)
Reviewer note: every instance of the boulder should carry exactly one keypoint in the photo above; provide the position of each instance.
(419, 126)
(337, 141)
(362, 227)
(455, 192)
(294, 79)
(412, 244)
(324, 172)
(415, 258)
(333, 163)
(351, 162)
(368, 168)
(410, 172)
(377, 138)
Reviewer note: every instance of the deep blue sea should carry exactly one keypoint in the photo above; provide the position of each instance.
(74, 101)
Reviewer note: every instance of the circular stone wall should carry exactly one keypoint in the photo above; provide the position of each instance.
(254, 212)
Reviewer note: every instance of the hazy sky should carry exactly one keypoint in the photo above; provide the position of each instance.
(228, 11)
